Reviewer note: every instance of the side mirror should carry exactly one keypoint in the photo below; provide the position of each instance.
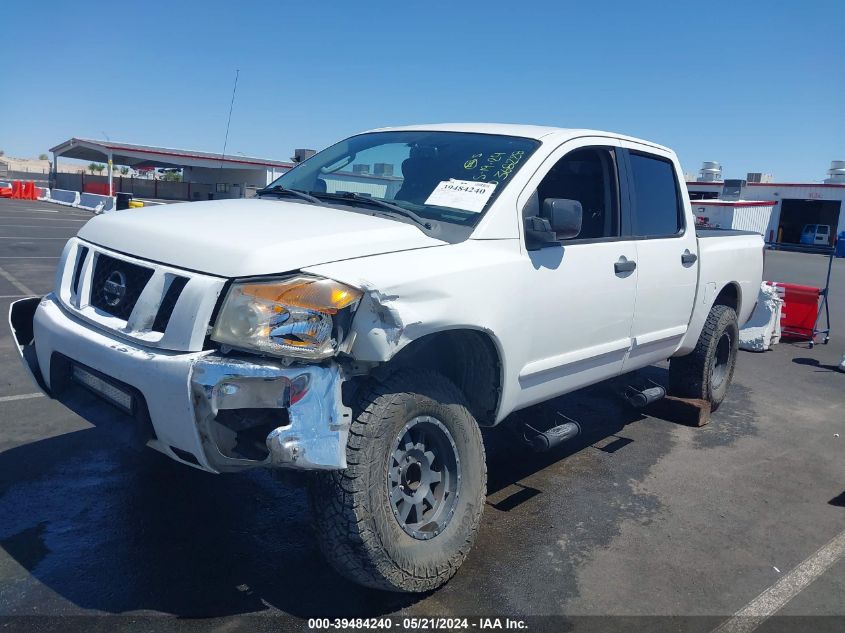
(538, 233)
(564, 217)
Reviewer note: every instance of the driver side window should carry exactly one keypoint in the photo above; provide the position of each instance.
(589, 176)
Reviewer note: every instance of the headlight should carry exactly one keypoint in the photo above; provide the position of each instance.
(297, 317)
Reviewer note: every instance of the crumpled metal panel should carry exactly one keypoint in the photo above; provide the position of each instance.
(318, 424)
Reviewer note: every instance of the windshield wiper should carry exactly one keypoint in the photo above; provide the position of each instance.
(357, 197)
(279, 190)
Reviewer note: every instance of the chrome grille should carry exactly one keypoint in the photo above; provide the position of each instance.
(136, 299)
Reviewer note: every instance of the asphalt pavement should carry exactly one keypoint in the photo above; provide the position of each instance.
(638, 517)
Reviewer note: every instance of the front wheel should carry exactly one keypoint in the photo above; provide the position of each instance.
(405, 512)
(707, 371)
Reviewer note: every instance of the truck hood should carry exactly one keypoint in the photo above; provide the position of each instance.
(240, 238)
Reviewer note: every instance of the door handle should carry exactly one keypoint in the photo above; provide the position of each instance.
(624, 266)
(688, 258)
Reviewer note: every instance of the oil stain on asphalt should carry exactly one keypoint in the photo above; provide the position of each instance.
(736, 419)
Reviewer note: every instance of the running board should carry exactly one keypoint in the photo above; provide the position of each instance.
(641, 398)
(542, 441)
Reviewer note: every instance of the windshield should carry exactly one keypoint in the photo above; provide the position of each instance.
(442, 176)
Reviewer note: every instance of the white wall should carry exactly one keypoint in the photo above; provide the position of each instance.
(767, 191)
(742, 218)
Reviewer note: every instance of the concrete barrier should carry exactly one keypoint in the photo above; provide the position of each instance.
(110, 204)
(42, 193)
(65, 197)
(94, 202)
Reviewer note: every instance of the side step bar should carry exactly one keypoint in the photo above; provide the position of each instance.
(641, 398)
(542, 441)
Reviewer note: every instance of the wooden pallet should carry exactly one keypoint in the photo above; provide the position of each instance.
(688, 411)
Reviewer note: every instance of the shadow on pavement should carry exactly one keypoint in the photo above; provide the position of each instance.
(116, 530)
(813, 362)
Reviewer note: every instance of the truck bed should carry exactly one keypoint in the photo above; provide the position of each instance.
(737, 260)
(705, 233)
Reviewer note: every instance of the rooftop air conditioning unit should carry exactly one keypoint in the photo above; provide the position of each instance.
(836, 173)
(732, 189)
(383, 169)
(710, 171)
(758, 177)
(300, 155)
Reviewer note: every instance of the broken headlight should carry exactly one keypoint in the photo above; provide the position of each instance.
(298, 317)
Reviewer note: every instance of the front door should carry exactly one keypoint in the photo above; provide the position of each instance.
(580, 296)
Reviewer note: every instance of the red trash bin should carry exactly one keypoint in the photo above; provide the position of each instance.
(800, 310)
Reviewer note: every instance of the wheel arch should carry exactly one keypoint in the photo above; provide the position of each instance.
(730, 295)
(471, 358)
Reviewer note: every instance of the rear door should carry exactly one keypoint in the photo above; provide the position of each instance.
(667, 255)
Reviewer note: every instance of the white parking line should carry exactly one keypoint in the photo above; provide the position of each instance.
(52, 213)
(15, 282)
(775, 597)
(82, 219)
(29, 237)
(23, 396)
(13, 296)
(37, 226)
(70, 211)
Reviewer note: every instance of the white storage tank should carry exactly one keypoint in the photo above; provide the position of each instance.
(710, 171)
(836, 173)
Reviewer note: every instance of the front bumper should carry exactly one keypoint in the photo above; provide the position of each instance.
(214, 412)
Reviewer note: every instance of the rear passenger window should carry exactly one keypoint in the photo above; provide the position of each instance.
(657, 204)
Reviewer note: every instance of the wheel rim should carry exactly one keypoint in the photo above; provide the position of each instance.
(423, 477)
(721, 361)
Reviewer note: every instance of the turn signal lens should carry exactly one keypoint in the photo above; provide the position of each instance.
(323, 295)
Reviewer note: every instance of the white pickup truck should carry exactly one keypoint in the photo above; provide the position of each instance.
(373, 307)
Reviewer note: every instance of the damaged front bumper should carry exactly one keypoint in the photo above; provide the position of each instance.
(249, 411)
(214, 412)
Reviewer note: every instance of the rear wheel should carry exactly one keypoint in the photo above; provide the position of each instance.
(707, 371)
(405, 512)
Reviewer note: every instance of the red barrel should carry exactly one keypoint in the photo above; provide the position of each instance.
(800, 309)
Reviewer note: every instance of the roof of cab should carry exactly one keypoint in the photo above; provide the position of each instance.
(538, 132)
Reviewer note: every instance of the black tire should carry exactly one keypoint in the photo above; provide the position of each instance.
(360, 529)
(707, 371)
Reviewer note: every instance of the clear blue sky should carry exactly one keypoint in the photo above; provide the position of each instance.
(759, 86)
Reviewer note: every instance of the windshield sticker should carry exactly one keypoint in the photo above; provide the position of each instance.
(495, 167)
(467, 195)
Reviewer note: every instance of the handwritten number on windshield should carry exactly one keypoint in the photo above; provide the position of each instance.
(497, 167)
